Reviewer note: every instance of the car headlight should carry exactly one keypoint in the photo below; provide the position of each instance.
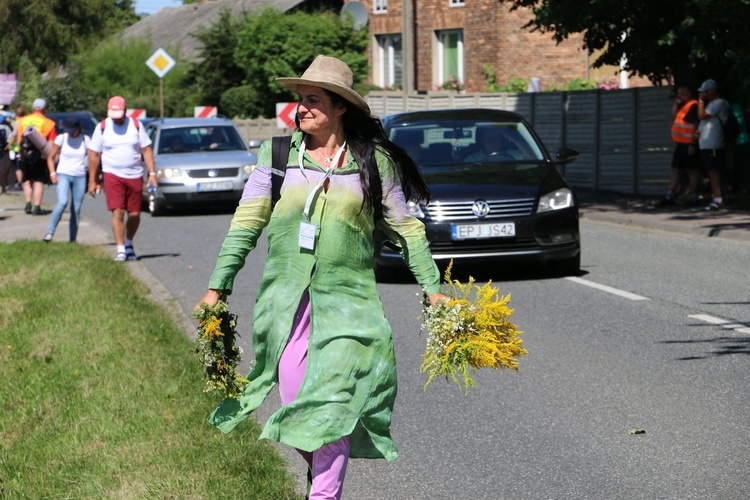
(556, 200)
(248, 169)
(168, 173)
(415, 210)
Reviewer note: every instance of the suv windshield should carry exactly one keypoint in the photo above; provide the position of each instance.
(191, 139)
(457, 142)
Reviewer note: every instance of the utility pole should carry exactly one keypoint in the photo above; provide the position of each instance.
(407, 45)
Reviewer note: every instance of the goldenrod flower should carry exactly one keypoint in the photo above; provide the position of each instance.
(469, 332)
(214, 343)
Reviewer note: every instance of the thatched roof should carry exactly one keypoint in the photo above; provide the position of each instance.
(175, 26)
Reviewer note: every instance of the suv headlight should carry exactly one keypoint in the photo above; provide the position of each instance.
(415, 210)
(248, 169)
(556, 200)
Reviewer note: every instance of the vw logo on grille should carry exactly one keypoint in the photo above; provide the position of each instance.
(213, 173)
(480, 208)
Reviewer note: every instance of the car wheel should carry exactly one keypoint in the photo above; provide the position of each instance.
(155, 206)
(569, 267)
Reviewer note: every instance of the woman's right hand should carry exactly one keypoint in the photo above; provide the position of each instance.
(211, 297)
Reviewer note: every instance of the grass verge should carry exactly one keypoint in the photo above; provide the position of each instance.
(100, 395)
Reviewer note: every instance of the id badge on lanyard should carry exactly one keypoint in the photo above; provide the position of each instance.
(307, 229)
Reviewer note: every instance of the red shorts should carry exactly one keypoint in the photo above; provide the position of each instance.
(123, 193)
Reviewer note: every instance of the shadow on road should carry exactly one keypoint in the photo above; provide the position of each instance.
(718, 346)
(483, 272)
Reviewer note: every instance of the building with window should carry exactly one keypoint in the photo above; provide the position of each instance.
(462, 42)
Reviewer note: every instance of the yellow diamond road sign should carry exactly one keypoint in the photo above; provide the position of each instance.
(160, 63)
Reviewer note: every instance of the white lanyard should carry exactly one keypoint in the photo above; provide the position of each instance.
(314, 190)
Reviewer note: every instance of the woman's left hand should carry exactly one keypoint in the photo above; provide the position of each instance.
(435, 298)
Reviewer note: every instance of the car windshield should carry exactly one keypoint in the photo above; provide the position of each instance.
(88, 122)
(192, 139)
(467, 142)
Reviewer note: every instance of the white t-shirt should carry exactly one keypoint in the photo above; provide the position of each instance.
(73, 155)
(711, 131)
(120, 147)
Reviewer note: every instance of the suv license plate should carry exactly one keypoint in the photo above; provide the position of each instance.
(478, 231)
(216, 186)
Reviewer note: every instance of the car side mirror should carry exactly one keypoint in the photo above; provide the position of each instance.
(254, 143)
(565, 155)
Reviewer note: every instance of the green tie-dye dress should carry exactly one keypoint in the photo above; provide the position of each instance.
(350, 384)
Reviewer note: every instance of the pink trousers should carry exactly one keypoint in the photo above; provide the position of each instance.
(328, 464)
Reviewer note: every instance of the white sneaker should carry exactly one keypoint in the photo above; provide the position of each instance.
(47, 237)
(120, 257)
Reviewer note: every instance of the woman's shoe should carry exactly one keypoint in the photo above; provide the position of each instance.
(47, 237)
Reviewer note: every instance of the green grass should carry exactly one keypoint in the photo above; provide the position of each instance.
(100, 395)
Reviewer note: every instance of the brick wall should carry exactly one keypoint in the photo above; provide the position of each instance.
(492, 35)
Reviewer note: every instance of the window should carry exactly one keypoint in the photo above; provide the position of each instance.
(389, 62)
(381, 6)
(450, 56)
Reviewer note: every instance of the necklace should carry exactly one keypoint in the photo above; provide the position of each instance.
(326, 159)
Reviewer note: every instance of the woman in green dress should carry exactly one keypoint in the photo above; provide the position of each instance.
(319, 330)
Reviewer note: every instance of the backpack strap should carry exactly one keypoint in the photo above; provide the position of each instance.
(279, 157)
(376, 188)
(137, 124)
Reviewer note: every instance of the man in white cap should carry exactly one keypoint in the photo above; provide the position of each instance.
(713, 112)
(33, 167)
(123, 146)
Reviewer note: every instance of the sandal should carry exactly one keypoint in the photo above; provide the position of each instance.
(130, 253)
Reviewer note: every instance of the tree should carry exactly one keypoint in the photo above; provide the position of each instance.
(48, 32)
(272, 44)
(681, 42)
(217, 70)
(116, 67)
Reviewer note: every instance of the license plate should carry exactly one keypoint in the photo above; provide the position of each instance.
(216, 186)
(478, 231)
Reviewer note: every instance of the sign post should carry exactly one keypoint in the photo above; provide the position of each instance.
(160, 63)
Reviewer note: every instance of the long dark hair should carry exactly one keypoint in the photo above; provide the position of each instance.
(364, 135)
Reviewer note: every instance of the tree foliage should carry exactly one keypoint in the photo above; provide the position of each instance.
(117, 67)
(48, 32)
(217, 70)
(65, 92)
(273, 44)
(683, 41)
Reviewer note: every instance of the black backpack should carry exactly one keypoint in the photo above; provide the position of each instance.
(29, 153)
(279, 157)
(732, 128)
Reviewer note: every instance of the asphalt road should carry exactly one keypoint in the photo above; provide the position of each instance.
(633, 343)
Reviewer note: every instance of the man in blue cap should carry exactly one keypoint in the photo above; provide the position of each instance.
(713, 112)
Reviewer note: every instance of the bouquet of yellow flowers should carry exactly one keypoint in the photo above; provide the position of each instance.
(469, 332)
(214, 343)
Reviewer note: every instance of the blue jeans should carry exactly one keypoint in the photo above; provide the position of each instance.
(65, 185)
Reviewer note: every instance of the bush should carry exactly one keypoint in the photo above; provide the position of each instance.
(242, 102)
(580, 84)
(515, 84)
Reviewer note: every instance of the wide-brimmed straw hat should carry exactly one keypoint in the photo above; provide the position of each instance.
(331, 74)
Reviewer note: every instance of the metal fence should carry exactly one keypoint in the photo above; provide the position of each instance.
(623, 136)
